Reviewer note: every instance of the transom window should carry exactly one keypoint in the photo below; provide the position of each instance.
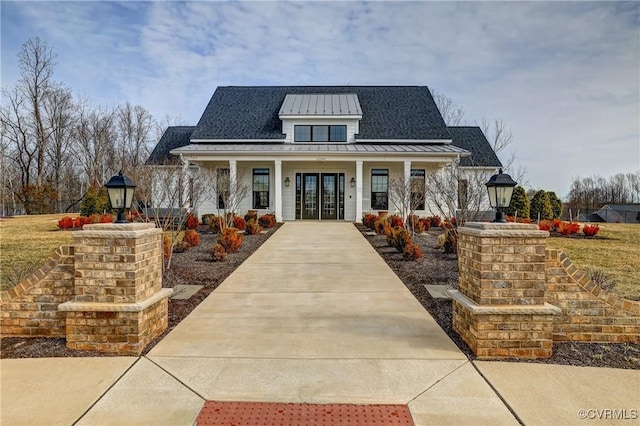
(380, 189)
(320, 133)
(260, 188)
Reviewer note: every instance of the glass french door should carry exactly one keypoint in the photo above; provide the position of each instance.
(320, 195)
(310, 196)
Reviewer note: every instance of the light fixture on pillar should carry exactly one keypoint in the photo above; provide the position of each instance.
(287, 181)
(353, 182)
(500, 188)
(120, 189)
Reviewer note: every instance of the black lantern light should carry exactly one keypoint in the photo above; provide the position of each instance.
(287, 181)
(120, 189)
(500, 189)
(353, 182)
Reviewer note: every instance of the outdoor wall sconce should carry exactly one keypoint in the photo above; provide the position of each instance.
(120, 189)
(287, 181)
(500, 188)
(353, 182)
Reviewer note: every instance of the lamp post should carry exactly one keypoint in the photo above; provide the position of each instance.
(500, 188)
(120, 189)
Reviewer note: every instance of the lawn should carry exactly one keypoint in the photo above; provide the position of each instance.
(616, 253)
(25, 244)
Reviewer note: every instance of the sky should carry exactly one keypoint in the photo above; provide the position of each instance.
(564, 77)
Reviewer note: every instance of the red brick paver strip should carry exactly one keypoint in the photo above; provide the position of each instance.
(216, 413)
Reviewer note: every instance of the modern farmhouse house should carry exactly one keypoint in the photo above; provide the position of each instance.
(323, 152)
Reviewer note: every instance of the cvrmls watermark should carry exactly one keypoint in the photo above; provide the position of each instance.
(608, 414)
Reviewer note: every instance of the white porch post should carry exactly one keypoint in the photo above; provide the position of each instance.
(233, 185)
(359, 186)
(407, 185)
(278, 196)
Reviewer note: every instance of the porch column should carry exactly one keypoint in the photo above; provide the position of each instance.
(278, 197)
(407, 192)
(359, 186)
(233, 185)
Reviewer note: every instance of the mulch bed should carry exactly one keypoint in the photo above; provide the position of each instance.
(435, 268)
(192, 267)
(439, 268)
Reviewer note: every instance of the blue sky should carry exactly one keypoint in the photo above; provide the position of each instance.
(564, 77)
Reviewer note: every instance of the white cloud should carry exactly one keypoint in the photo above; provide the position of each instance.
(563, 76)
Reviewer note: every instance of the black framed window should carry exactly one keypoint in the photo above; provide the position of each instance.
(222, 187)
(260, 188)
(380, 189)
(418, 189)
(320, 133)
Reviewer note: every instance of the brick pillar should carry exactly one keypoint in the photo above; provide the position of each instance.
(119, 304)
(499, 307)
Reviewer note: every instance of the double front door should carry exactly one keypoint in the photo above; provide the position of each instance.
(320, 195)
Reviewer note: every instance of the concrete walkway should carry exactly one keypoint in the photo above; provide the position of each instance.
(315, 315)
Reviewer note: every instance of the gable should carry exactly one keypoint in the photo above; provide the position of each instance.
(174, 137)
(388, 112)
(472, 139)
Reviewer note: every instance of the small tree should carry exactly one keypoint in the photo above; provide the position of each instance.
(541, 206)
(520, 204)
(406, 195)
(228, 191)
(556, 204)
(95, 200)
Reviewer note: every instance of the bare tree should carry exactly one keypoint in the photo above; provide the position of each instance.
(36, 62)
(500, 138)
(451, 113)
(227, 191)
(407, 195)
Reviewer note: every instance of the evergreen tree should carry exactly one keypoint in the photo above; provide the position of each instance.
(519, 203)
(556, 204)
(96, 200)
(540, 204)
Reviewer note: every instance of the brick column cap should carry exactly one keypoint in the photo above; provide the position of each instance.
(117, 230)
(502, 230)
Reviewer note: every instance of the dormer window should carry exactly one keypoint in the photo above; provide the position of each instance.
(320, 133)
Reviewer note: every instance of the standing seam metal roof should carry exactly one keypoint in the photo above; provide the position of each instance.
(321, 104)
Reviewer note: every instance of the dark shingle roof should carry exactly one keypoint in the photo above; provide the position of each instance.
(473, 140)
(174, 137)
(388, 112)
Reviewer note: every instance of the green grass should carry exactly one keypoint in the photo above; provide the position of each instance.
(25, 244)
(616, 252)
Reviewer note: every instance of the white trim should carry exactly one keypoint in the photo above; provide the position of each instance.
(249, 141)
(324, 117)
(359, 189)
(278, 195)
(407, 141)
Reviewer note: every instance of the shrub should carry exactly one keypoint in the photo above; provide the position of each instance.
(65, 223)
(251, 215)
(426, 223)
(166, 245)
(181, 247)
(105, 218)
(568, 228)
(239, 223)
(396, 221)
(216, 223)
(448, 241)
(94, 218)
(555, 224)
(206, 218)
(253, 227)
(218, 253)
(603, 279)
(267, 220)
(230, 239)
(435, 220)
(191, 237)
(399, 239)
(192, 221)
(412, 252)
(95, 200)
(418, 227)
(78, 222)
(369, 220)
(544, 225)
(590, 230)
(378, 225)
(541, 205)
